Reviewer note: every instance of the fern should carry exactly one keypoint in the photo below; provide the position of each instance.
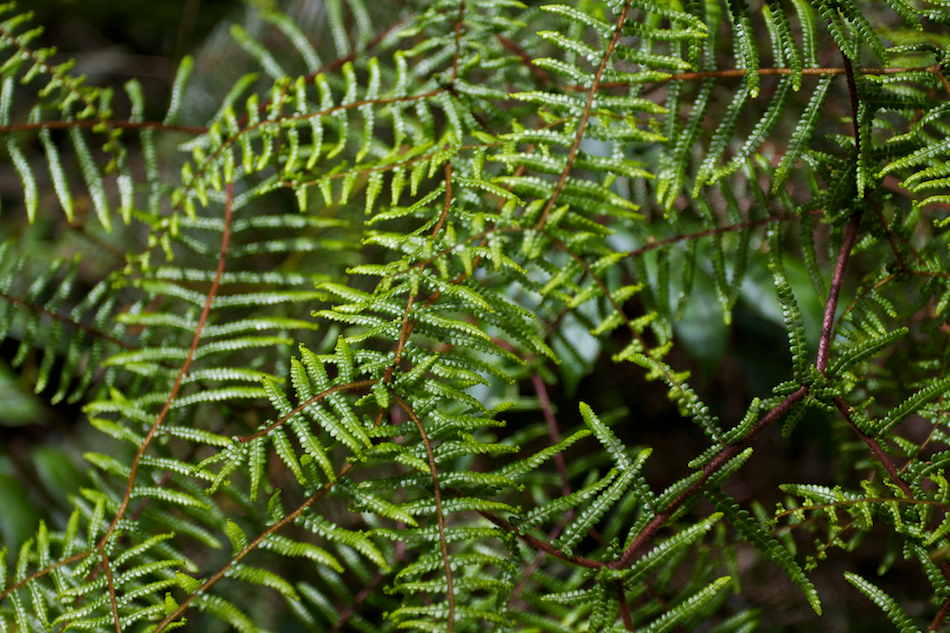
(343, 306)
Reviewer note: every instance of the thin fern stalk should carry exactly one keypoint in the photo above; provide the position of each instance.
(110, 584)
(542, 226)
(251, 546)
(884, 459)
(176, 386)
(891, 240)
(91, 331)
(338, 63)
(541, 74)
(837, 281)
(624, 606)
(195, 130)
(72, 84)
(235, 139)
(405, 329)
(710, 469)
(875, 449)
(124, 504)
(353, 386)
(538, 544)
(553, 431)
(865, 292)
(539, 557)
(941, 615)
(769, 72)
(719, 230)
(439, 514)
(585, 116)
(39, 573)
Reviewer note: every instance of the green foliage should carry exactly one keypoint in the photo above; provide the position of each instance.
(340, 305)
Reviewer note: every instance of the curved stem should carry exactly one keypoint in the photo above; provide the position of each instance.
(439, 515)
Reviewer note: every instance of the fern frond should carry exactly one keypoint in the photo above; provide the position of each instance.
(884, 601)
(802, 133)
(753, 532)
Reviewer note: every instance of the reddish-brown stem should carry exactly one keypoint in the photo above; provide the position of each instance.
(439, 515)
(64, 320)
(837, 280)
(539, 72)
(533, 566)
(536, 543)
(339, 61)
(875, 447)
(708, 471)
(624, 607)
(196, 339)
(404, 331)
(350, 386)
(42, 572)
(548, 411)
(847, 242)
(894, 474)
(174, 615)
(585, 117)
(941, 616)
(85, 123)
(110, 585)
(649, 246)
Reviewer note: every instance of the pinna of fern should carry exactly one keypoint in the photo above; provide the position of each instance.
(479, 199)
